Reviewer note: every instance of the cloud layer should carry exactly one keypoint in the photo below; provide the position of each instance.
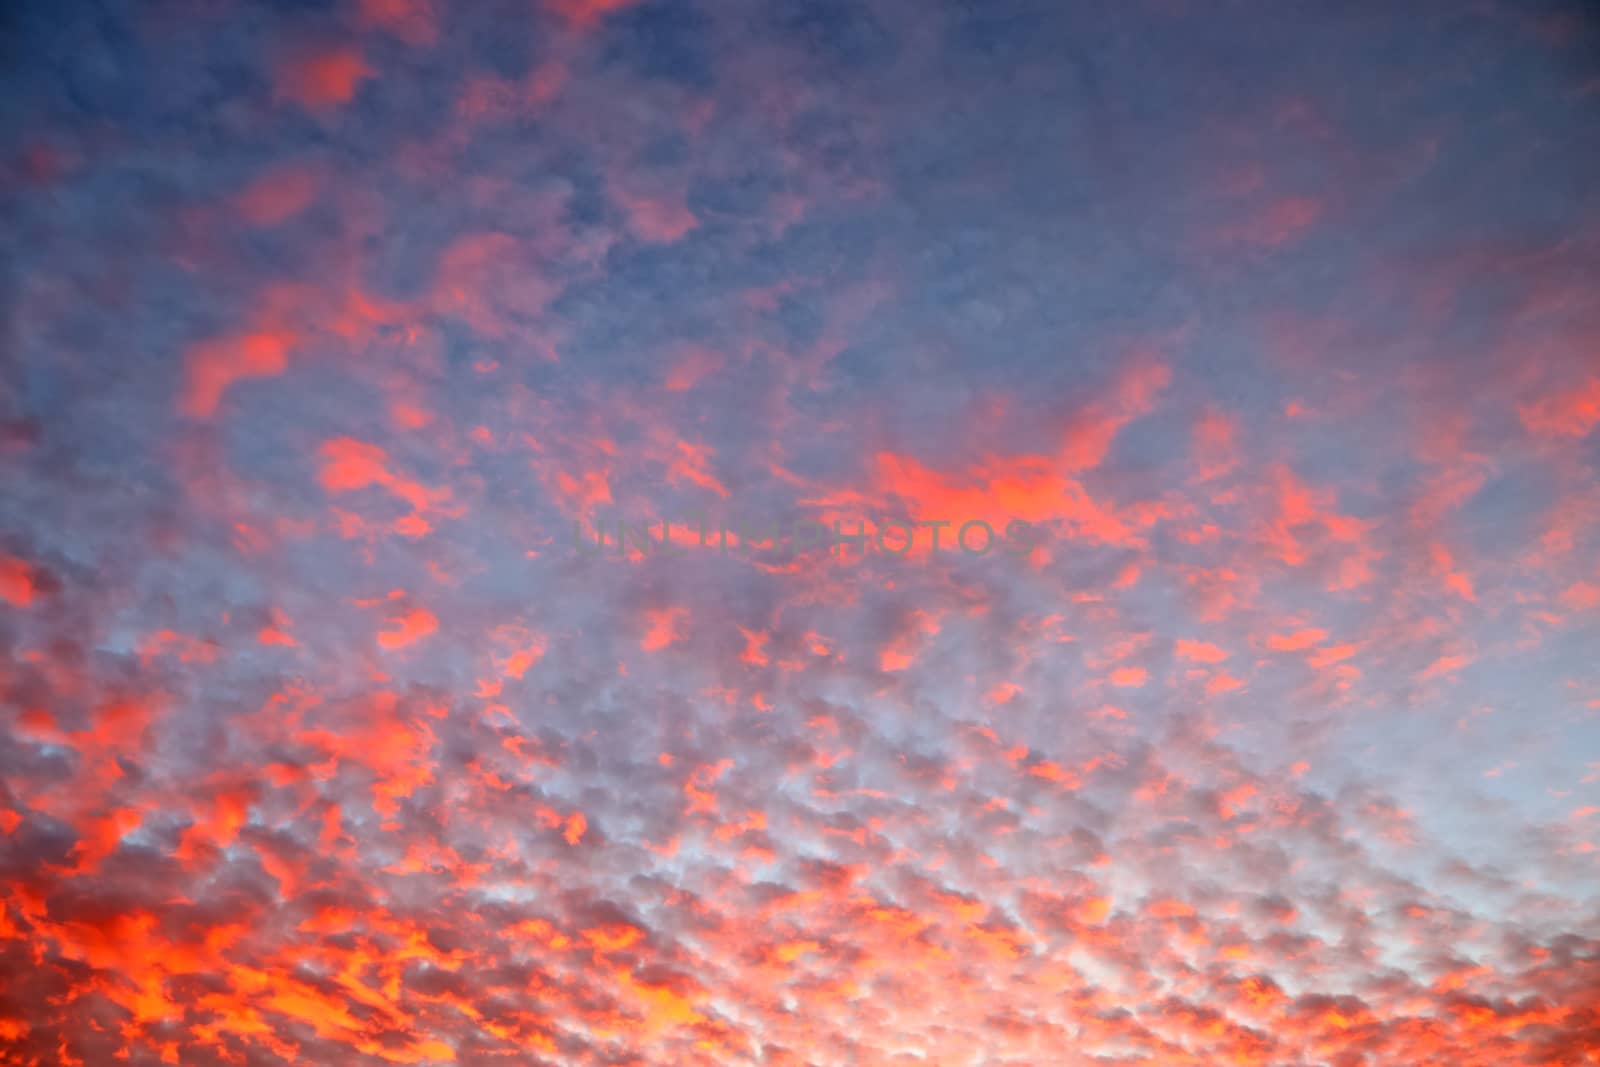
(324, 324)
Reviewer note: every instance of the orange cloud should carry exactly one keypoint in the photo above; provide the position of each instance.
(408, 629)
(1445, 665)
(211, 368)
(1582, 596)
(1129, 677)
(1200, 652)
(1567, 414)
(661, 628)
(1223, 682)
(1297, 640)
(691, 369)
(349, 465)
(276, 632)
(16, 581)
(902, 649)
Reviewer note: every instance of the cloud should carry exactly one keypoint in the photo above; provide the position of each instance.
(321, 741)
(322, 80)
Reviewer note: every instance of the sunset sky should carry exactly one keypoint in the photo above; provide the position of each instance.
(325, 326)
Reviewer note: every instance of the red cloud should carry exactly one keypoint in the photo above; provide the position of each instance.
(321, 81)
(1568, 414)
(214, 366)
(585, 13)
(278, 195)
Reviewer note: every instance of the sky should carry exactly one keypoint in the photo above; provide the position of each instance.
(1109, 500)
